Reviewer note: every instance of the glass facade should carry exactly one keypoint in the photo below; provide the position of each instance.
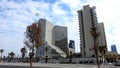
(113, 48)
(72, 44)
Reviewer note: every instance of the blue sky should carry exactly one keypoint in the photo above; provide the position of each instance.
(16, 15)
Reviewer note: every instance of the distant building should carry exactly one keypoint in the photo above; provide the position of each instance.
(87, 19)
(72, 46)
(54, 37)
(113, 48)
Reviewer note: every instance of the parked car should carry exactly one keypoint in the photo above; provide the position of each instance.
(117, 63)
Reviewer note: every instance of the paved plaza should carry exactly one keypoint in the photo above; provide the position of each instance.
(43, 65)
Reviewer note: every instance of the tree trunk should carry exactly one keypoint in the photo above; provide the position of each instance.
(96, 52)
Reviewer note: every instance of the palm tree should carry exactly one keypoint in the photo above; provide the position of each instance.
(1, 51)
(102, 50)
(23, 51)
(95, 35)
(11, 55)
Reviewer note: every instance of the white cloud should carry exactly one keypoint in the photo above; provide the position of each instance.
(57, 10)
(72, 4)
(13, 23)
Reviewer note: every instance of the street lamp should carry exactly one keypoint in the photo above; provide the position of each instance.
(95, 35)
(46, 57)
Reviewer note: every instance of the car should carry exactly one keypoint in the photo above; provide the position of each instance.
(117, 63)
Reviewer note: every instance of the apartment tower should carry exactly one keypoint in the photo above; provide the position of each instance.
(102, 37)
(87, 19)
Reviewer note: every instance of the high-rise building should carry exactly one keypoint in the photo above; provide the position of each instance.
(87, 20)
(46, 34)
(102, 37)
(54, 38)
(60, 38)
(72, 46)
(113, 48)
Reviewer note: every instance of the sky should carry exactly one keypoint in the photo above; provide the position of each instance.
(16, 15)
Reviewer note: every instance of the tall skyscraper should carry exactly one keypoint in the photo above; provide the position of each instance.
(113, 48)
(60, 38)
(46, 34)
(72, 46)
(54, 37)
(87, 20)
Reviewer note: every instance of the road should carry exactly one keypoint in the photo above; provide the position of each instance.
(43, 65)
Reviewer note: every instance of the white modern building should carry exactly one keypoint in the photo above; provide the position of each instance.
(46, 35)
(87, 19)
(54, 37)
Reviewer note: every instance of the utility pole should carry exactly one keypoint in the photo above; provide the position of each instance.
(46, 50)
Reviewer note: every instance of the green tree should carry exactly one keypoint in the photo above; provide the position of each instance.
(23, 51)
(1, 51)
(11, 55)
(110, 56)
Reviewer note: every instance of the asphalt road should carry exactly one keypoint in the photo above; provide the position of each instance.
(43, 65)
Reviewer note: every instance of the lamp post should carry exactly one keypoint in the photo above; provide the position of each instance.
(46, 57)
(95, 35)
(70, 57)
